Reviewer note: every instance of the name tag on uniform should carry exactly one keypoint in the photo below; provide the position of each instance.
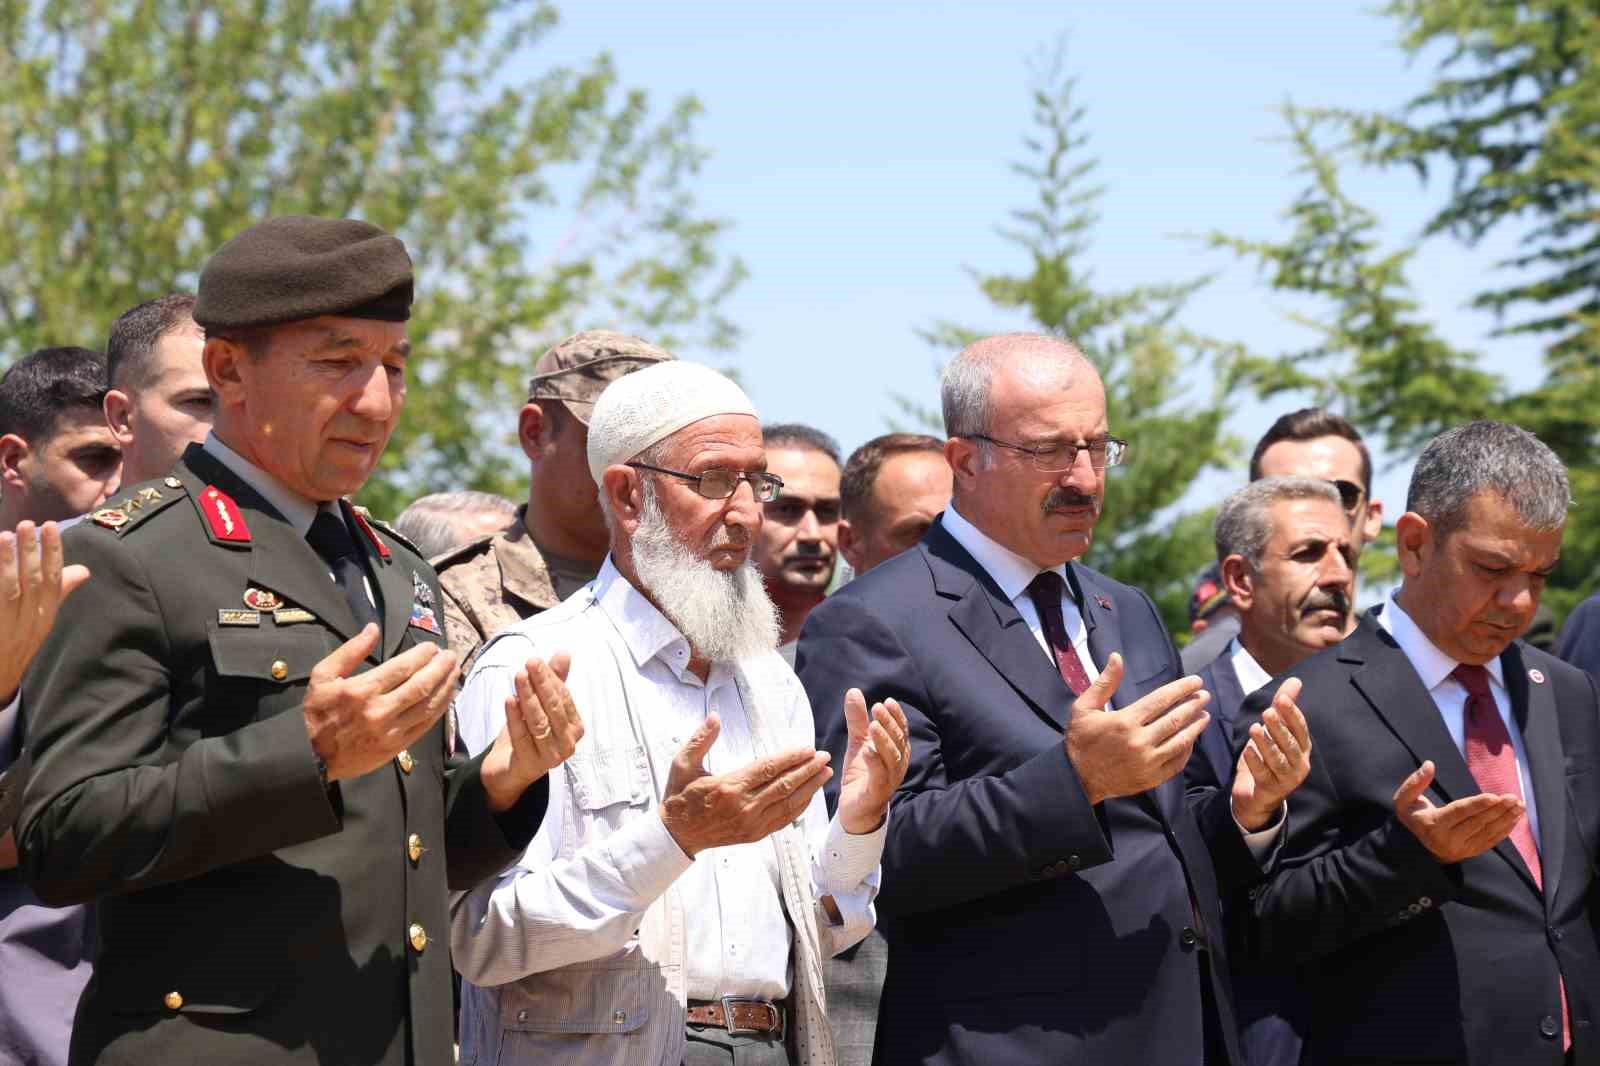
(232, 616)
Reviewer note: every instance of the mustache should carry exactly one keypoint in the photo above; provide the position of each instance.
(1327, 600)
(1064, 499)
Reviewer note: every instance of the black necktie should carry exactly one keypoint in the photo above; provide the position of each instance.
(331, 539)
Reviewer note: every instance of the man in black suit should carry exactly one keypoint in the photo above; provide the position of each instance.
(1436, 878)
(1286, 554)
(1048, 894)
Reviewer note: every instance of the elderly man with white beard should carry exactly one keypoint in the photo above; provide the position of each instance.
(686, 883)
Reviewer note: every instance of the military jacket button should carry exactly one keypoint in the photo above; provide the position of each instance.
(280, 669)
(406, 761)
(414, 847)
(173, 1001)
(418, 937)
(1549, 1026)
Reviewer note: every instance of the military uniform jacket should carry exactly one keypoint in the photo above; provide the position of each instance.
(248, 913)
(490, 583)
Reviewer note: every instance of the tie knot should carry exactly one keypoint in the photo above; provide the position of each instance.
(1046, 588)
(1475, 679)
(330, 537)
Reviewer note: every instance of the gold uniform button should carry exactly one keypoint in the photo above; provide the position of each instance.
(418, 936)
(173, 1000)
(406, 763)
(280, 669)
(414, 847)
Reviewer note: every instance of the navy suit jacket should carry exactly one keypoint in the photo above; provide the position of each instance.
(1405, 959)
(1024, 924)
(1265, 997)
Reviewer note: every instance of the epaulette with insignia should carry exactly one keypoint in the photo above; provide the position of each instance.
(140, 503)
(365, 517)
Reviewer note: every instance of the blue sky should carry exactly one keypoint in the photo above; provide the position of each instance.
(861, 151)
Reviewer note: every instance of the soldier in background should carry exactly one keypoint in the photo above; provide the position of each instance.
(558, 539)
(159, 402)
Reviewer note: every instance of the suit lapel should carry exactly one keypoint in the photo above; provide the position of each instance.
(1105, 637)
(1391, 686)
(280, 559)
(986, 618)
(1533, 707)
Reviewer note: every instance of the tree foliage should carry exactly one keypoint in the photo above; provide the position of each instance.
(536, 198)
(1165, 387)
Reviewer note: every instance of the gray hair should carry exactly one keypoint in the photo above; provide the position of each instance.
(428, 524)
(964, 394)
(1495, 456)
(1244, 522)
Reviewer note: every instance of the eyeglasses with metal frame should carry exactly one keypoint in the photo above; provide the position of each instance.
(1054, 458)
(719, 484)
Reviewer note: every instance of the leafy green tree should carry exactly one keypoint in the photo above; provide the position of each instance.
(535, 198)
(1165, 387)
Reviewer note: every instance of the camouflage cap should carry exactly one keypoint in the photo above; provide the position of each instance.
(577, 370)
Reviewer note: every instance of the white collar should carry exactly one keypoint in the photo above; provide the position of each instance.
(1009, 570)
(1251, 675)
(299, 511)
(647, 632)
(1432, 665)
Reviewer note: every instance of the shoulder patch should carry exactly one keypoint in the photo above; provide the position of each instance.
(127, 511)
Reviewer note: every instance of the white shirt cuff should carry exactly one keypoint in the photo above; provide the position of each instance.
(647, 858)
(848, 859)
(1261, 841)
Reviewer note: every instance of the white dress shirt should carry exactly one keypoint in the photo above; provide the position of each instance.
(1450, 696)
(1249, 672)
(586, 906)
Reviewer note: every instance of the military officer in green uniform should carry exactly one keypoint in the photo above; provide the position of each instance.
(237, 736)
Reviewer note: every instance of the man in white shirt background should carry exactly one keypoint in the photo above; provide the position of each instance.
(687, 882)
(1287, 554)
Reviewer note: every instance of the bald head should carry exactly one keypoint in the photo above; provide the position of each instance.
(992, 373)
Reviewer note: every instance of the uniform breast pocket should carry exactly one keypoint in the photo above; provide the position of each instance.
(257, 673)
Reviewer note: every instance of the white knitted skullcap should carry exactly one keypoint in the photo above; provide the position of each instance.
(652, 404)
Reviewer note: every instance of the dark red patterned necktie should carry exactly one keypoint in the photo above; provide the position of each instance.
(1492, 761)
(1046, 591)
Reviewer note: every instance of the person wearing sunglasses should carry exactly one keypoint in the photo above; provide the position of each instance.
(799, 540)
(1314, 442)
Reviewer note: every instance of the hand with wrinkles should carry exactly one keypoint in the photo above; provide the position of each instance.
(356, 724)
(705, 811)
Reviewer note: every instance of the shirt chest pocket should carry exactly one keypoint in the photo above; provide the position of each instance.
(606, 784)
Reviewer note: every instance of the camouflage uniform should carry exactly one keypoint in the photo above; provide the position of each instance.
(490, 583)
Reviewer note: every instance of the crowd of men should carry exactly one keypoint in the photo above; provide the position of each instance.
(722, 747)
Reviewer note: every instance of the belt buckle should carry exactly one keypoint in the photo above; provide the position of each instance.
(728, 1003)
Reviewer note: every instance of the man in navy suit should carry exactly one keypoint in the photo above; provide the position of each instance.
(1286, 553)
(1436, 882)
(1048, 893)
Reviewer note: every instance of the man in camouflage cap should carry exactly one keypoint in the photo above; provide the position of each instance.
(559, 540)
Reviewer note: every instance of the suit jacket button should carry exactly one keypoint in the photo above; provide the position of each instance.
(406, 761)
(1425, 901)
(1415, 908)
(418, 937)
(1074, 862)
(414, 848)
(173, 1001)
(279, 669)
(1549, 1027)
(1188, 938)
(1555, 934)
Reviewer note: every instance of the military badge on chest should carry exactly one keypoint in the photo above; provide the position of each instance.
(423, 615)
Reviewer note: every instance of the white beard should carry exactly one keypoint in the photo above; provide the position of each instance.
(726, 617)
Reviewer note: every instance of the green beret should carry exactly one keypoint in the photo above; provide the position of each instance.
(296, 267)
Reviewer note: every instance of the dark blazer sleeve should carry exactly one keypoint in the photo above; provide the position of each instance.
(1331, 888)
(949, 841)
(1580, 637)
(478, 842)
(108, 808)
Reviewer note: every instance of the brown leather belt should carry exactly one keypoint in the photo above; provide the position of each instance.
(739, 1016)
